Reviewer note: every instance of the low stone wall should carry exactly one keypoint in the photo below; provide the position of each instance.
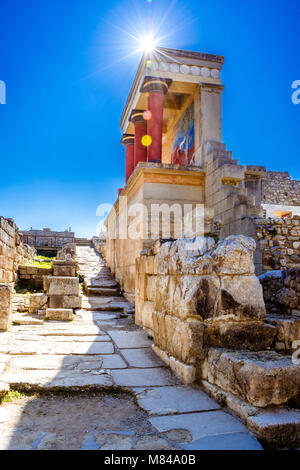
(5, 307)
(279, 242)
(12, 251)
(281, 290)
(32, 276)
(99, 245)
(195, 294)
(279, 188)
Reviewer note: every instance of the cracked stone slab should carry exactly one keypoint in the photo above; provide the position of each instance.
(113, 361)
(172, 400)
(53, 378)
(200, 424)
(143, 357)
(144, 377)
(44, 362)
(63, 339)
(229, 441)
(45, 347)
(130, 339)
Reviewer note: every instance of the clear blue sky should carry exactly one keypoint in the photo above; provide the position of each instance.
(67, 76)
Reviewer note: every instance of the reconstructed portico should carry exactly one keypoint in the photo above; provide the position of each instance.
(172, 132)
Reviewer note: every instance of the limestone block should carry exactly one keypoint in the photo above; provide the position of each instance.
(186, 256)
(196, 296)
(37, 302)
(64, 271)
(255, 336)
(183, 340)
(151, 287)
(146, 315)
(234, 255)
(287, 297)
(62, 285)
(5, 307)
(64, 301)
(261, 378)
(241, 298)
(186, 373)
(60, 314)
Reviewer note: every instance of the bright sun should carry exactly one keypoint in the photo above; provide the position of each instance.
(147, 43)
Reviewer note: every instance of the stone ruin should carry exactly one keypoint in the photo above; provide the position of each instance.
(61, 295)
(204, 307)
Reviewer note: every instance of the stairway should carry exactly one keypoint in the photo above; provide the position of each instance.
(102, 291)
(83, 242)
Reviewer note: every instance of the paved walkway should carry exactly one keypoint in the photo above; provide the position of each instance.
(103, 348)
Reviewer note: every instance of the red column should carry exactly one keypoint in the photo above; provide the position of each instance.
(140, 130)
(156, 89)
(128, 141)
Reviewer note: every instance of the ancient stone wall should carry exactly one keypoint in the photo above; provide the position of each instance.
(5, 307)
(32, 276)
(282, 291)
(194, 294)
(99, 245)
(279, 188)
(279, 242)
(12, 251)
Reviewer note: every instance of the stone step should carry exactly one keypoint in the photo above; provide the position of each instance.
(104, 291)
(275, 427)
(262, 378)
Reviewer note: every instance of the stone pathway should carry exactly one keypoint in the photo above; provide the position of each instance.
(103, 349)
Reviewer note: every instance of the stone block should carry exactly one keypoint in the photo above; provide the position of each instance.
(60, 314)
(64, 301)
(151, 287)
(69, 271)
(261, 378)
(5, 307)
(186, 373)
(255, 336)
(37, 302)
(241, 298)
(277, 428)
(234, 255)
(146, 315)
(62, 285)
(183, 340)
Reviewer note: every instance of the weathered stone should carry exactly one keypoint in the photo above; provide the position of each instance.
(64, 271)
(37, 302)
(5, 307)
(255, 336)
(234, 255)
(263, 378)
(62, 285)
(277, 428)
(241, 298)
(287, 297)
(62, 314)
(64, 301)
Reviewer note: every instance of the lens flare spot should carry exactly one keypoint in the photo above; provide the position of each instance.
(147, 115)
(148, 63)
(146, 140)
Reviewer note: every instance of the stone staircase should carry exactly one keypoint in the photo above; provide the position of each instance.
(102, 291)
(83, 242)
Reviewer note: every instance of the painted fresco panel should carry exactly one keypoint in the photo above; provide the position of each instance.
(184, 138)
